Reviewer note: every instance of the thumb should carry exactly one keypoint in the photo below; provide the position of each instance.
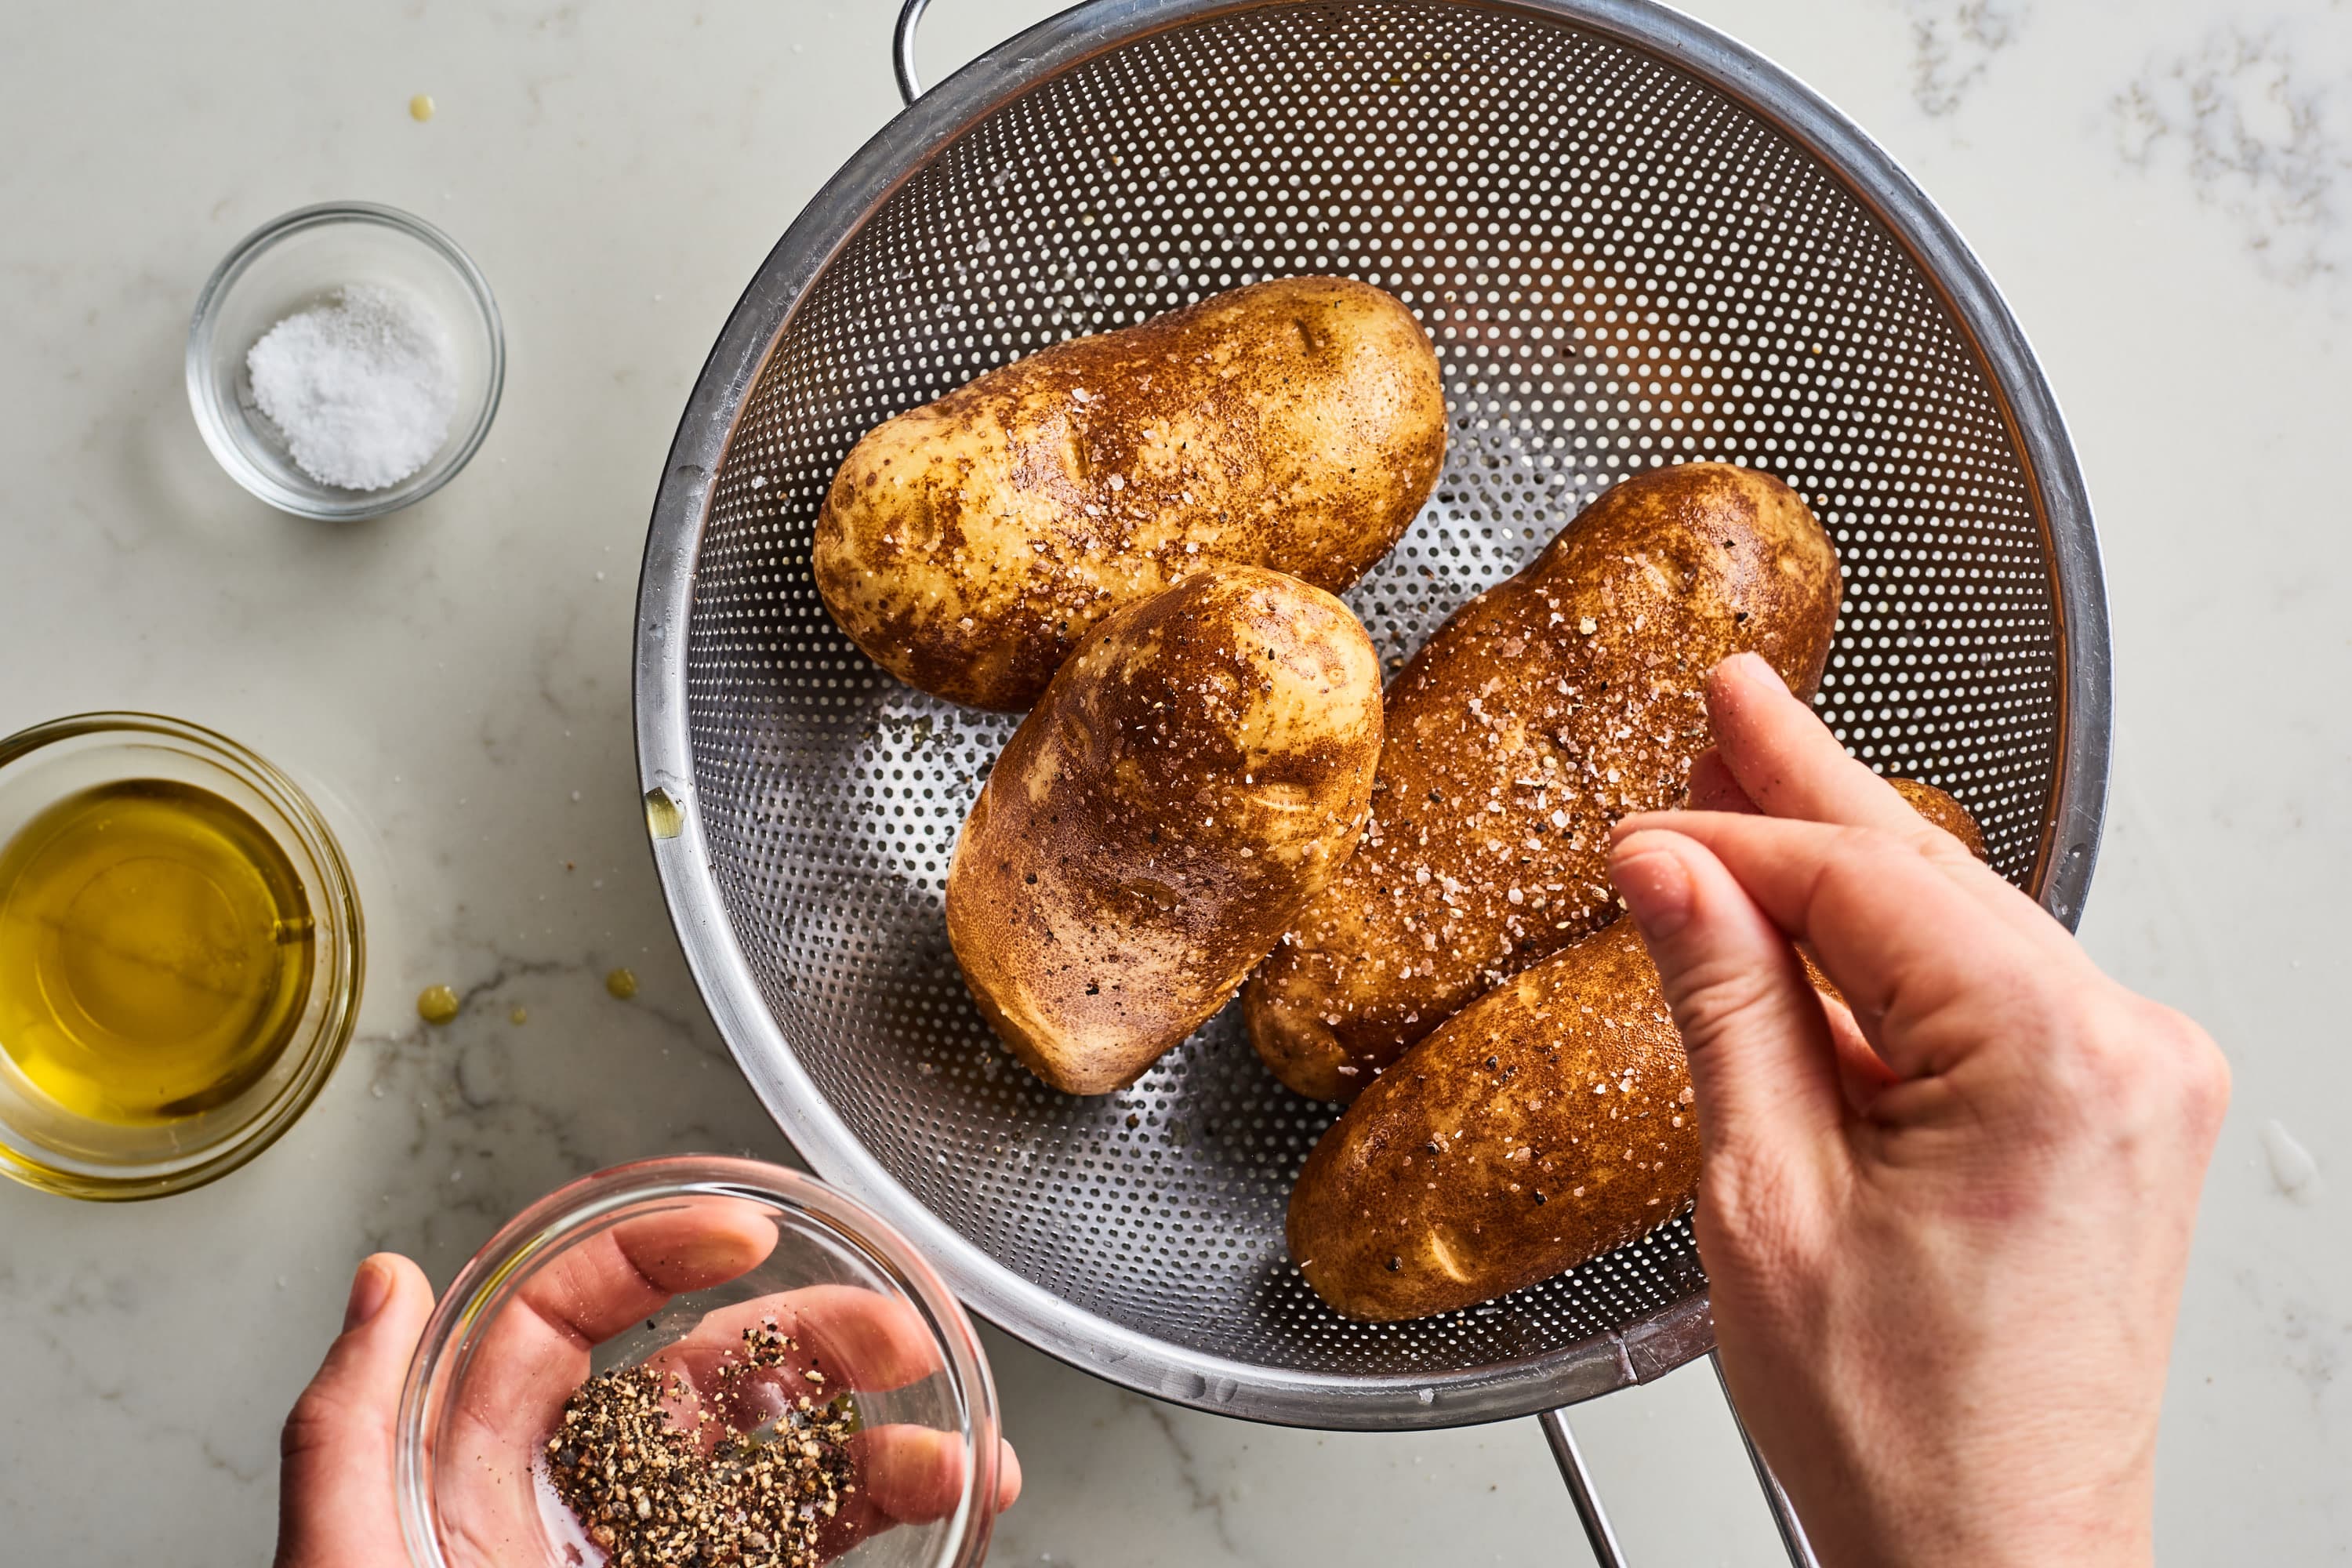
(335, 1504)
(1763, 1067)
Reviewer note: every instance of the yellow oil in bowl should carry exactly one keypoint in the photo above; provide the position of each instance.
(156, 950)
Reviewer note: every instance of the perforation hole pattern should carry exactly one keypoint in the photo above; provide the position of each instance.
(1619, 269)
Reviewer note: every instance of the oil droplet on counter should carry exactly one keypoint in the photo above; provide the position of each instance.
(420, 108)
(518, 1015)
(622, 983)
(2293, 1169)
(664, 818)
(436, 1004)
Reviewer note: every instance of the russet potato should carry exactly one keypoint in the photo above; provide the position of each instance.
(1543, 710)
(1196, 772)
(969, 544)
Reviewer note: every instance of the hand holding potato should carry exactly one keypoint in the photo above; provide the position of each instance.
(1548, 1122)
(1945, 1231)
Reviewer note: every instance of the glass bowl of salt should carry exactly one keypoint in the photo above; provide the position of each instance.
(345, 361)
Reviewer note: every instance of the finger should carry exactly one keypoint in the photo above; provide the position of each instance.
(870, 1339)
(1954, 845)
(1712, 787)
(1008, 1476)
(599, 1287)
(1898, 935)
(1786, 761)
(908, 1475)
(916, 1473)
(1863, 1074)
(1761, 1063)
(913, 1474)
(856, 1337)
(335, 1506)
(846, 1338)
(536, 1352)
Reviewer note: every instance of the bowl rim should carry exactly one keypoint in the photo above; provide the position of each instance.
(544, 1228)
(335, 907)
(212, 420)
(1133, 1359)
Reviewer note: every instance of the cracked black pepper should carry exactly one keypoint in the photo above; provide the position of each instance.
(649, 1490)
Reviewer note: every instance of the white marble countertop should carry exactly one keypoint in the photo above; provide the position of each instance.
(2166, 201)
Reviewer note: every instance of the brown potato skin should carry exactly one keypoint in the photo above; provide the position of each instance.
(968, 545)
(1193, 775)
(1943, 811)
(1466, 1225)
(1385, 1229)
(1675, 570)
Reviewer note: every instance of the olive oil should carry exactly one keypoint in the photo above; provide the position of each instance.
(155, 952)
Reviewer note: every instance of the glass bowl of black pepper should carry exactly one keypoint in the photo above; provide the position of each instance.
(698, 1360)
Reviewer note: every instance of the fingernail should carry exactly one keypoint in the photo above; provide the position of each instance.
(371, 1288)
(721, 1253)
(1656, 888)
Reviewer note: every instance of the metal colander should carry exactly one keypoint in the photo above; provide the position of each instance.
(1633, 243)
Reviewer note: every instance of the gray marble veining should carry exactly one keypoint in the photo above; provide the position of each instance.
(1954, 42)
(2259, 121)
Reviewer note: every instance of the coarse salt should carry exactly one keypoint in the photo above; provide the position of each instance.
(363, 387)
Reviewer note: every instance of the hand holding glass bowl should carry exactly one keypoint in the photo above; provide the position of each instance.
(666, 1263)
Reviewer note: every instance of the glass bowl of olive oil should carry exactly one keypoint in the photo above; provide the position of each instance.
(181, 955)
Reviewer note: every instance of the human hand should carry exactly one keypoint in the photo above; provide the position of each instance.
(1945, 1229)
(336, 1501)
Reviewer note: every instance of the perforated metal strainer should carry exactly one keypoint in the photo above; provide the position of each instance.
(1633, 242)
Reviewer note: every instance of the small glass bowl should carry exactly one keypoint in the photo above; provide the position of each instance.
(630, 1264)
(300, 262)
(46, 1145)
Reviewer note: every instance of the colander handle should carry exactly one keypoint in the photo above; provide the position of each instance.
(1597, 1529)
(1605, 1550)
(902, 49)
